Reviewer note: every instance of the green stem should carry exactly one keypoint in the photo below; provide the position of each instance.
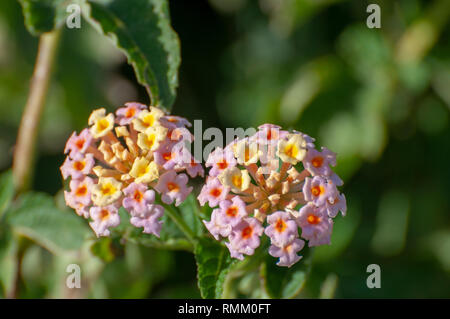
(26, 140)
(23, 245)
(178, 220)
(177, 244)
(244, 267)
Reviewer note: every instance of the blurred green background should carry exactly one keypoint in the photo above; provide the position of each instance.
(380, 98)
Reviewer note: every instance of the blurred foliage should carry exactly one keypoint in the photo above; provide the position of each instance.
(380, 98)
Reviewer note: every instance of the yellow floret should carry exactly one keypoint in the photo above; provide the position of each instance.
(107, 191)
(100, 123)
(144, 171)
(238, 180)
(151, 138)
(292, 150)
(246, 153)
(147, 119)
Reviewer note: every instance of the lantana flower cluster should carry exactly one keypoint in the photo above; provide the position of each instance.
(124, 159)
(275, 183)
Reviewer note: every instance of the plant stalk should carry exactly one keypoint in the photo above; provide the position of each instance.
(28, 130)
(178, 220)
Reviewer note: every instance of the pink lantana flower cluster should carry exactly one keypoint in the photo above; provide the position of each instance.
(274, 182)
(121, 160)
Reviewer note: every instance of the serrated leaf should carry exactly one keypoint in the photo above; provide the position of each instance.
(213, 264)
(282, 282)
(43, 15)
(141, 29)
(37, 218)
(6, 190)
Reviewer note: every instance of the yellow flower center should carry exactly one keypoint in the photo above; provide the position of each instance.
(167, 156)
(247, 232)
(148, 120)
(80, 143)
(142, 170)
(291, 150)
(102, 125)
(171, 186)
(104, 214)
(150, 140)
(81, 191)
(280, 225)
(79, 165)
(216, 192)
(237, 181)
(317, 190)
(313, 219)
(108, 189)
(247, 154)
(317, 161)
(223, 164)
(130, 112)
(138, 196)
(232, 211)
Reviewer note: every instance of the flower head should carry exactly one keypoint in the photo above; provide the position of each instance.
(271, 183)
(113, 163)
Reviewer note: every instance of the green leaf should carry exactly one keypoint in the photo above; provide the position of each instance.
(141, 29)
(36, 217)
(8, 262)
(213, 264)
(43, 15)
(191, 213)
(6, 190)
(5, 240)
(102, 248)
(283, 282)
(170, 238)
(328, 287)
